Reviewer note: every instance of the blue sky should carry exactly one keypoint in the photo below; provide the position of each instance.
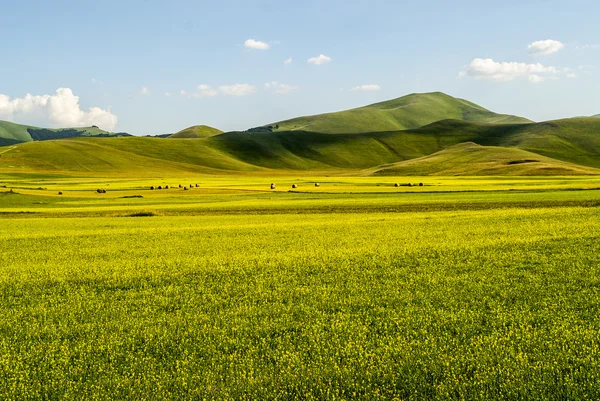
(140, 63)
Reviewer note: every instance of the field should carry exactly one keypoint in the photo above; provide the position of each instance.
(464, 288)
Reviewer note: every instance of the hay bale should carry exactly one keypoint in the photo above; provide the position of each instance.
(272, 186)
(180, 185)
(60, 193)
(197, 186)
(101, 191)
(166, 187)
(294, 186)
(421, 184)
(410, 184)
(152, 187)
(396, 185)
(185, 188)
(317, 184)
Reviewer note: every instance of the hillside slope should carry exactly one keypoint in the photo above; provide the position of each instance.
(408, 112)
(127, 156)
(469, 159)
(12, 133)
(197, 131)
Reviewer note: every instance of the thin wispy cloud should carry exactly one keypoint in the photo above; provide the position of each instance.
(256, 45)
(144, 91)
(321, 59)
(366, 88)
(288, 61)
(280, 88)
(237, 89)
(588, 47)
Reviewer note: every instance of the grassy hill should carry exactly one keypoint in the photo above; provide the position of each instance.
(124, 156)
(596, 116)
(575, 141)
(197, 131)
(470, 159)
(12, 133)
(408, 112)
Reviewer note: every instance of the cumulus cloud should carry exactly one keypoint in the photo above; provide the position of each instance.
(280, 88)
(505, 71)
(288, 61)
(237, 90)
(367, 88)
(60, 110)
(256, 45)
(144, 91)
(545, 47)
(321, 59)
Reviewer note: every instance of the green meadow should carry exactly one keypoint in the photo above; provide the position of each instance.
(464, 288)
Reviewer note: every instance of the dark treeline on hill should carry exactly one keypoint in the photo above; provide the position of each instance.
(43, 134)
(267, 128)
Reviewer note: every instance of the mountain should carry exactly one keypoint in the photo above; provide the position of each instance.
(470, 159)
(596, 116)
(197, 131)
(408, 112)
(11, 133)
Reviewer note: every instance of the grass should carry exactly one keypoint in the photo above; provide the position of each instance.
(466, 288)
(472, 159)
(408, 112)
(197, 131)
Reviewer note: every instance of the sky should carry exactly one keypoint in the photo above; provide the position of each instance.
(150, 67)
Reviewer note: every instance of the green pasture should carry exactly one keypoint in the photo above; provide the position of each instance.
(466, 288)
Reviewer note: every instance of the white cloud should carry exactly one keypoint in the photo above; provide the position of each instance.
(536, 79)
(280, 88)
(587, 47)
(144, 91)
(367, 88)
(60, 110)
(256, 45)
(506, 71)
(571, 75)
(203, 91)
(237, 89)
(168, 94)
(545, 47)
(322, 59)
(288, 61)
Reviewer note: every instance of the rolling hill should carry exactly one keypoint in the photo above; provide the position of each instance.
(11, 133)
(569, 146)
(574, 141)
(197, 131)
(596, 116)
(472, 159)
(408, 112)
